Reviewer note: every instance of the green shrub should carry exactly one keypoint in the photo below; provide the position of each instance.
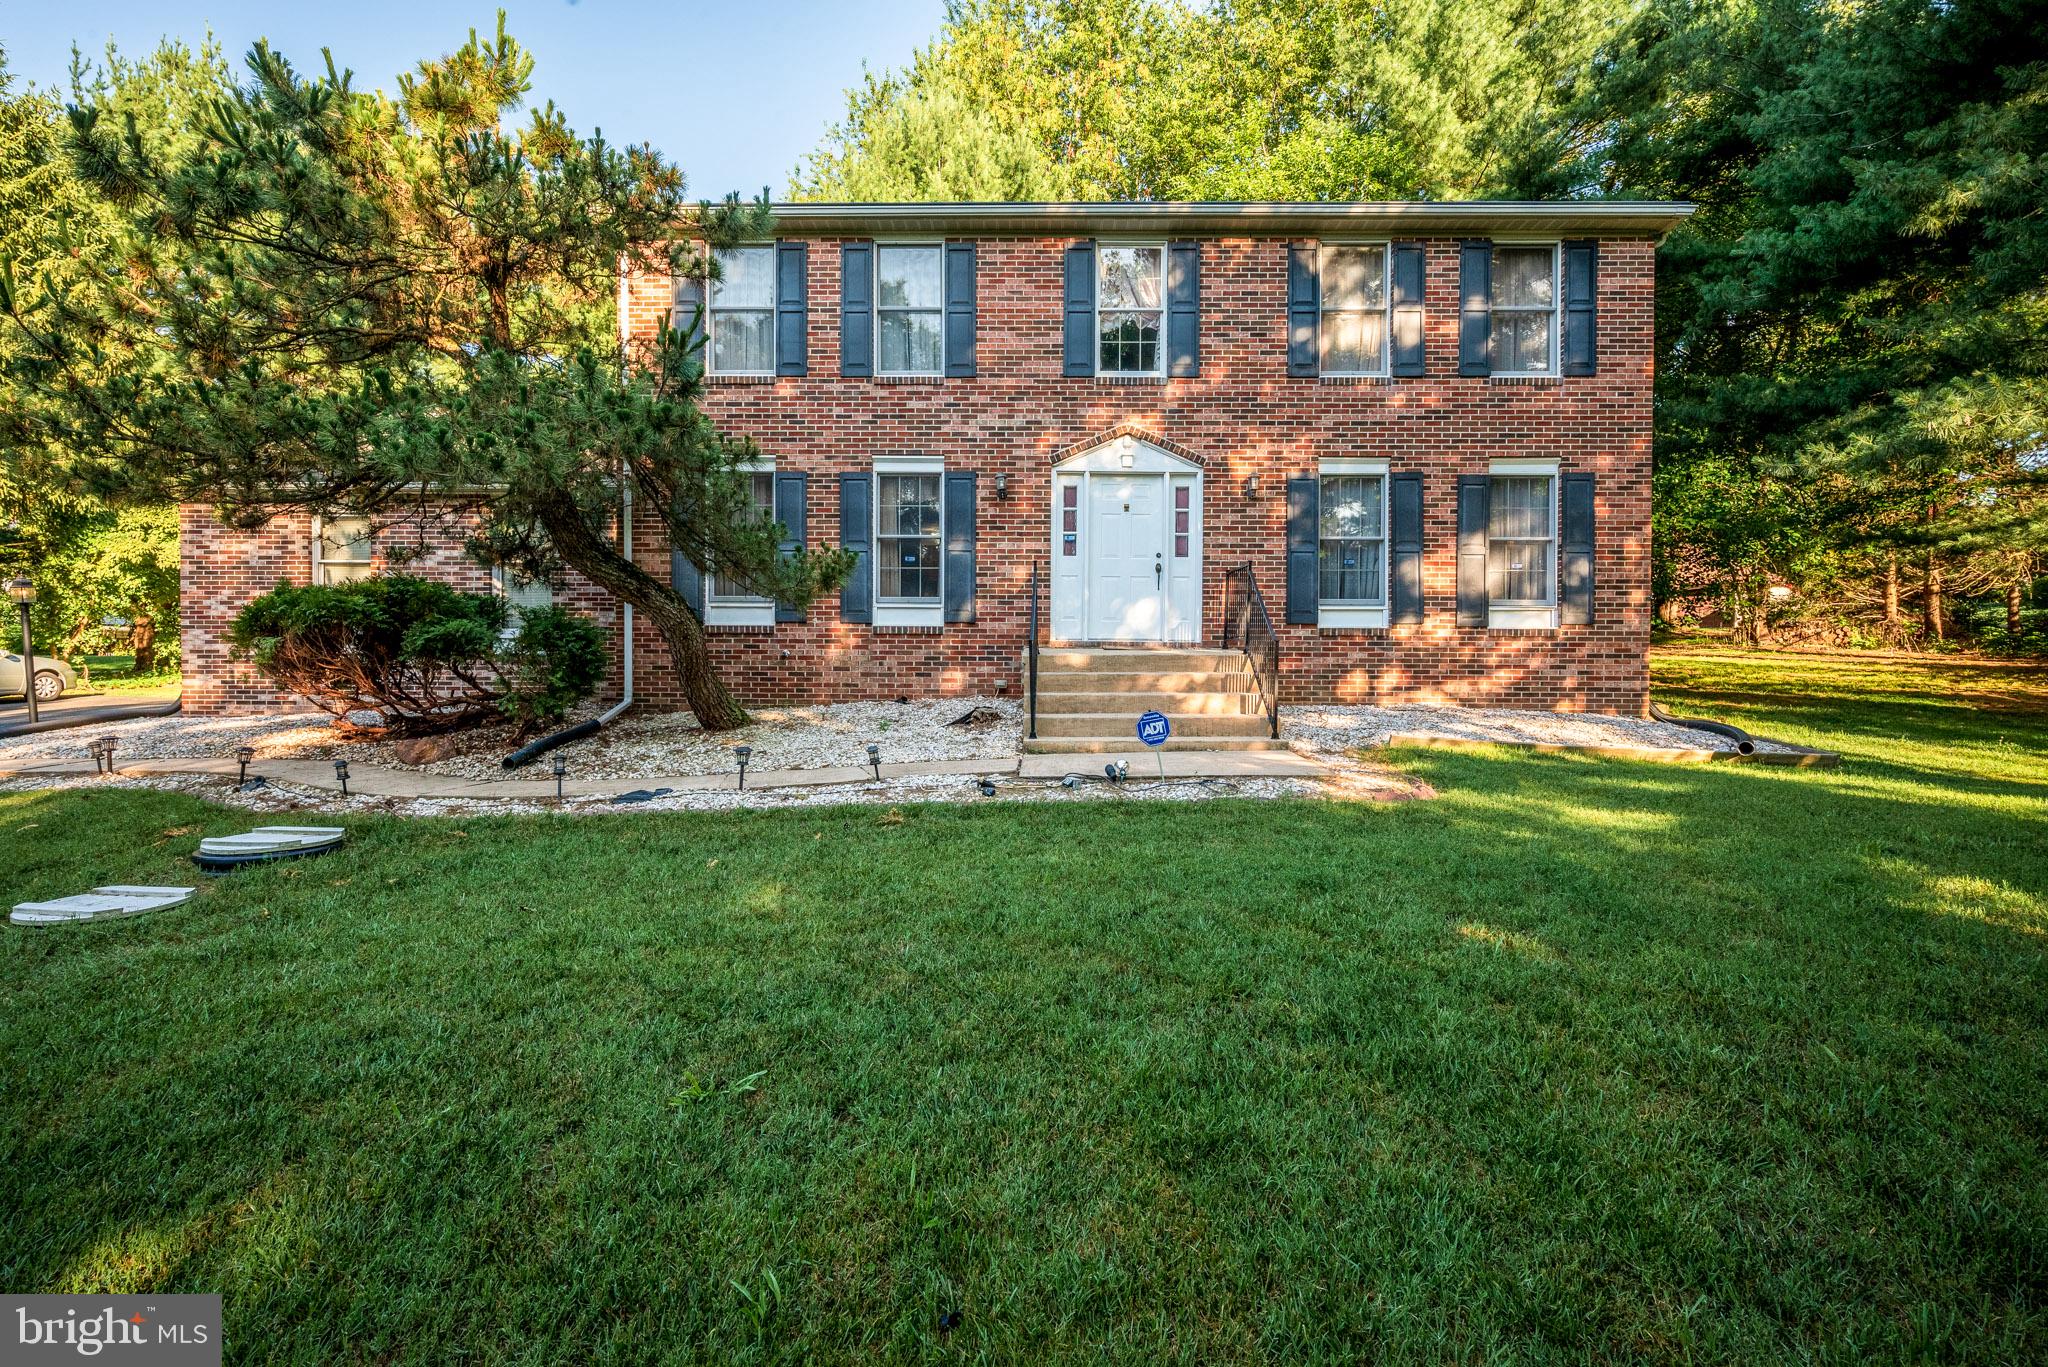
(419, 654)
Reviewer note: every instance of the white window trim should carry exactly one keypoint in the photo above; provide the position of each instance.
(319, 560)
(1556, 309)
(743, 610)
(1354, 616)
(711, 319)
(1529, 616)
(1386, 310)
(901, 613)
(1095, 339)
(875, 293)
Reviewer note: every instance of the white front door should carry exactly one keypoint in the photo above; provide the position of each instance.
(1126, 557)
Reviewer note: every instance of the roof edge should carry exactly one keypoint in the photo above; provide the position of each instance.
(1652, 218)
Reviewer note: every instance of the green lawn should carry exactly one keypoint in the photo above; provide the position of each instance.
(1583, 1061)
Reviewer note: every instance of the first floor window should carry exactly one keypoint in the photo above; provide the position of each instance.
(907, 538)
(908, 309)
(1352, 539)
(521, 594)
(342, 547)
(761, 502)
(741, 317)
(1130, 295)
(1524, 305)
(1520, 541)
(1352, 334)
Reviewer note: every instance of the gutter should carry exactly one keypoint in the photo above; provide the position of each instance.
(1651, 218)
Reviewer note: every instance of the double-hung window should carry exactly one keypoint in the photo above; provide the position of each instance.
(909, 309)
(1524, 307)
(1351, 544)
(342, 547)
(1521, 547)
(521, 594)
(728, 602)
(1130, 304)
(908, 543)
(741, 316)
(1352, 328)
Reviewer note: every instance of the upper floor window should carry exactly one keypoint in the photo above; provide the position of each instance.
(910, 309)
(1352, 327)
(342, 547)
(1524, 307)
(1130, 296)
(741, 317)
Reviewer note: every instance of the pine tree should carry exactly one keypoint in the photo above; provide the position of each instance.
(338, 301)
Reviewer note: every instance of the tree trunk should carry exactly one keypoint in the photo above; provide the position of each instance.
(1891, 590)
(591, 554)
(2012, 615)
(142, 636)
(1930, 599)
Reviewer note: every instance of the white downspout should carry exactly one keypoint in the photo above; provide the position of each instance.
(625, 516)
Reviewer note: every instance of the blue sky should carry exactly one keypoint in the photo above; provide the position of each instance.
(736, 92)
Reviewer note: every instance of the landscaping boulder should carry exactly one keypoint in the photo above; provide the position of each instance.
(423, 749)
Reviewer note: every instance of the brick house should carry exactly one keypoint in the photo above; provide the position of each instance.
(1425, 428)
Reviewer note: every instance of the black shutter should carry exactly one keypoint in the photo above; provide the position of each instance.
(959, 323)
(792, 309)
(1301, 309)
(960, 538)
(1304, 512)
(1475, 505)
(1405, 322)
(1581, 319)
(687, 580)
(686, 312)
(1184, 309)
(1080, 309)
(791, 488)
(857, 308)
(1404, 507)
(1575, 514)
(1475, 308)
(857, 534)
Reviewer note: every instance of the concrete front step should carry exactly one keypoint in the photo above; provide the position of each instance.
(1191, 725)
(1133, 681)
(1118, 745)
(1122, 702)
(1161, 661)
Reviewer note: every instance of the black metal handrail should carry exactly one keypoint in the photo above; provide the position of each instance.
(1247, 625)
(1031, 653)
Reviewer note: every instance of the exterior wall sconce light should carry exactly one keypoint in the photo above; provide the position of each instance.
(743, 753)
(561, 770)
(1002, 485)
(242, 758)
(875, 761)
(1251, 485)
(341, 772)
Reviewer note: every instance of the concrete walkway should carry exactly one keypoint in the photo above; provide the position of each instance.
(372, 780)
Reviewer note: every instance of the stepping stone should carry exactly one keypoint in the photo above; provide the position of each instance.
(220, 853)
(100, 904)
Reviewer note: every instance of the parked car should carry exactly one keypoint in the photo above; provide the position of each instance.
(53, 677)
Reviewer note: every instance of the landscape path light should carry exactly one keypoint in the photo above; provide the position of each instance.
(743, 753)
(341, 772)
(23, 591)
(561, 768)
(243, 755)
(875, 761)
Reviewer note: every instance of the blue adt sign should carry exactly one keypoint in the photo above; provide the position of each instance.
(1153, 728)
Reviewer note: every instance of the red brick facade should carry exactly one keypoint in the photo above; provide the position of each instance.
(1244, 415)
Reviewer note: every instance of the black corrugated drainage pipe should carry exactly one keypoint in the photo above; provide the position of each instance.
(533, 750)
(1743, 744)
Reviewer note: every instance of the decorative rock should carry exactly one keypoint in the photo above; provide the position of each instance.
(119, 899)
(977, 716)
(424, 749)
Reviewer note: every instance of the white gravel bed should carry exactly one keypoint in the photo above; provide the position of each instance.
(1334, 730)
(657, 744)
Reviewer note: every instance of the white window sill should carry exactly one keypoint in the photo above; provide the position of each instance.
(1121, 377)
(909, 615)
(909, 377)
(1521, 619)
(1340, 377)
(1526, 381)
(758, 613)
(741, 377)
(1333, 618)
